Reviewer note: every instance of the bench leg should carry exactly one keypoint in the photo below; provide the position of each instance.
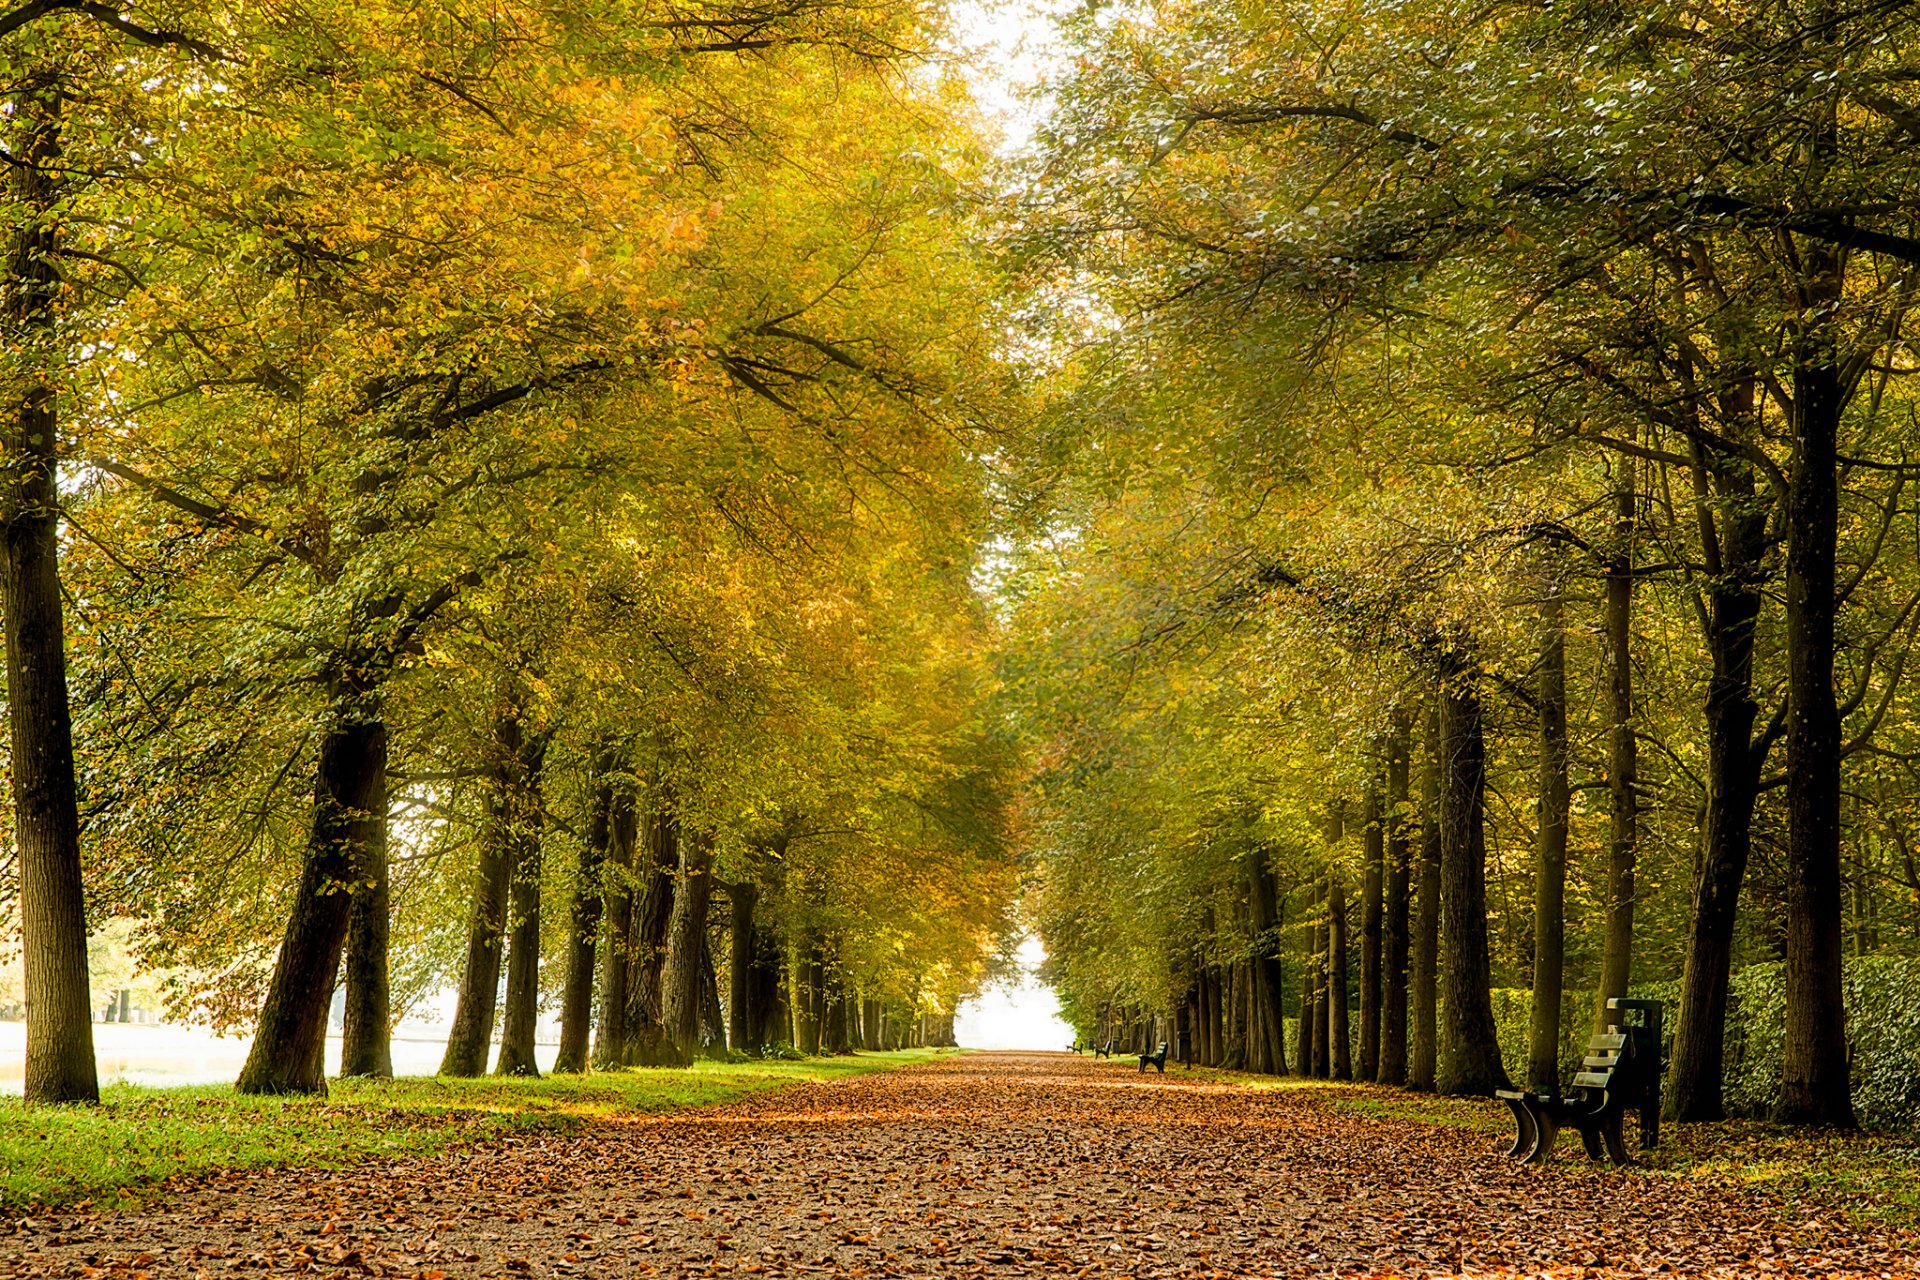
(1546, 1130)
(1161, 1066)
(1590, 1138)
(1526, 1133)
(1616, 1143)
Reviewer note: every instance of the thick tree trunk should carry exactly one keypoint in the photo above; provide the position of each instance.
(1340, 1058)
(1815, 1085)
(1423, 978)
(686, 944)
(1733, 538)
(349, 780)
(647, 1042)
(1469, 1047)
(523, 957)
(1623, 767)
(479, 991)
(366, 1043)
(1550, 871)
(1397, 941)
(616, 944)
(583, 926)
(60, 1064)
(1372, 888)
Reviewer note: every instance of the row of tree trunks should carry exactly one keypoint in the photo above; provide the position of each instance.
(610, 1030)
(686, 952)
(583, 924)
(288, 1049)
(512, 802)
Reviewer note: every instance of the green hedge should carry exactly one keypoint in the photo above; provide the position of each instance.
(1883, 1036)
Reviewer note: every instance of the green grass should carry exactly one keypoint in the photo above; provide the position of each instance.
(139, 1137)
(1871, 1179)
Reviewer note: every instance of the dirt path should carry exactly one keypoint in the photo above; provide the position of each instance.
(993, 1164)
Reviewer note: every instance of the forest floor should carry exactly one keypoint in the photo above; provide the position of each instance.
(979, 1165)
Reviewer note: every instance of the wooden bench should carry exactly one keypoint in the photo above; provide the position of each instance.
(1106, 1050)
(1158, 1059)
(1620, 1073)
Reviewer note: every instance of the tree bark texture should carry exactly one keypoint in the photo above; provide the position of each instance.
(366, 1042)
(616, 942)
(1469, 1047)
(479, 992)
(523, 899)
(59, 1058)
(1733, 537)
(583, 926)
(1395, 924)
(659, 862)
(1550, 867)
(1423, 977)
(1815, 1084)
(686, 946)
(349, 776)
(1340, 1059)
(1372, 890)
(1623, 766)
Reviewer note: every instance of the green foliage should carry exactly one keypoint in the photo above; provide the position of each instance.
(1883, 1037)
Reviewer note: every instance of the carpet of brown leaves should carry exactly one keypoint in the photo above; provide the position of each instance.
(983, 1165)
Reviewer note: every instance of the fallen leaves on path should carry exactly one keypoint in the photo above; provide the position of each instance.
(986, 1165)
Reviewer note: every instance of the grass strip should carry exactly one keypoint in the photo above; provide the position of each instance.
(139, 1137)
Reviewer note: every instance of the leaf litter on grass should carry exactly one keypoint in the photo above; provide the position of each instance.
(986, 1165)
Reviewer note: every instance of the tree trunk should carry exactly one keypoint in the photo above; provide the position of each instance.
(1623, 769)
(479, 991)
(1372, 887)
(686, 943)
(1469, 1047)
(366, 1042)
(1322, 979)
(289, 1045)
(1268, 991)
(1423, 979)
(1393, 998)
(713, 1019)
(745, 1032)
(1304, 1035)
(1734, 544)
(1815, 1085)
(616, 947)
(1550, 874)
(60, 1064)
(1340, 1060)
(648, 1044)
(523, 957)
(583, 926)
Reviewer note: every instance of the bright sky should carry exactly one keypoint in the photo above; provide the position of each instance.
(1021, 1016)
(1011, 43)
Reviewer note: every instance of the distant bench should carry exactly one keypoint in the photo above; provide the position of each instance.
(1620, 1073)
(1158, 1059)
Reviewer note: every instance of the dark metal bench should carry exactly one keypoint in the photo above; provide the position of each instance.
(1106, 1050)
(1158, 1059)
(1620, 1073)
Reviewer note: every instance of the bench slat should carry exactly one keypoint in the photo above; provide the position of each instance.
(1600, 1060)
(1594, 1079)
(1609, 1040)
